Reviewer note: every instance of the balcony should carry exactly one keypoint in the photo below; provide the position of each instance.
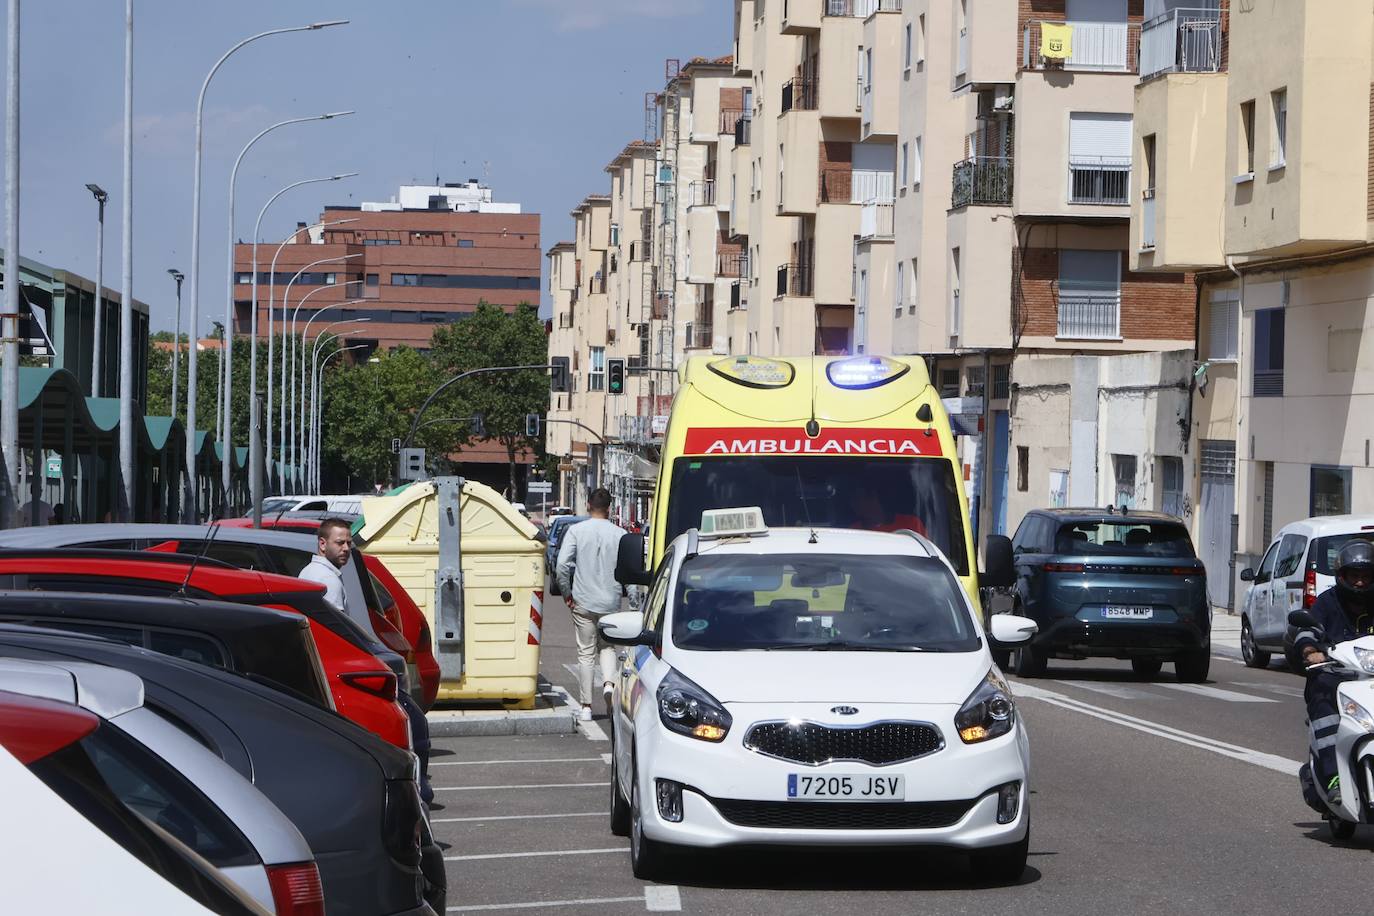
(701, 193)
(1147, 220)
(982, 181)
(865, 8)
(1100, 180)
(801, 16)
(1104, 47)
(739, 295)
(875, 220)
(730, 118)
(700, 336)
(795, 279)
(800, 94)
(1182, 41)
(1089, 317)
(742, 129)
(733, 265)
(844, 8)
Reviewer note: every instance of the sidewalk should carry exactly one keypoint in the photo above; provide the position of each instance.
(1226, 631)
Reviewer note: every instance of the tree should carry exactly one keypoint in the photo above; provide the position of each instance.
(491, 336)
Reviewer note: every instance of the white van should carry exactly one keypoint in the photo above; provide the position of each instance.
(347, 505)
(1299, 565)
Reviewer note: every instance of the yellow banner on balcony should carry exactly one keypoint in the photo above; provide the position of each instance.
(1056, 40)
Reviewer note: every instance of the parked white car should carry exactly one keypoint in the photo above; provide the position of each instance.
(1298, 566)
(794, 687)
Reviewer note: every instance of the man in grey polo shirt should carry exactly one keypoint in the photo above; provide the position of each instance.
(591, 547)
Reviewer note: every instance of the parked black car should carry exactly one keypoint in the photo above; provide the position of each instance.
(1113, 584)
(270, 646)
(353, 796)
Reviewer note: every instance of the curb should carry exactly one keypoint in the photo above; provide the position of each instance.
(558, 719)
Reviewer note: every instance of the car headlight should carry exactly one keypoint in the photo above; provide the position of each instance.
(1365, 657)
(1357, 712)
(688, 710)
(988, 712)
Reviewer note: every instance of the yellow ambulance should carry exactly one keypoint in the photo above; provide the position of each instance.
(830, 442)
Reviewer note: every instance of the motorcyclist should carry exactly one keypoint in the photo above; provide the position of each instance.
(1344, 613)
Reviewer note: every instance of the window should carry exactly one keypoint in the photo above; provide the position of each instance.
(615, 233)
(1266, 567)
(405, 279)
(1268, 372)
(901, 285)
(1171, 485)
(1089, 294)
(1059, 488)
(1022, 468)
(1123, 472)
(1223, 324)
(1099, 158)
(330, 279)
(861, 313)
(915, 287)
(372, 280)
(906, 48)
(1278, 103)
(465, 243)
(596, 374)
(781, 162)
(949, 383)
(1330, 490)
(1247, 139)
(464, 281)
(868, 69)
(1147, 196)
(1001, 382)
(246, 277)
(920, 39)
(955, 314)
(916, 164)
(1291, 549)
(903, 166)
(976, 379)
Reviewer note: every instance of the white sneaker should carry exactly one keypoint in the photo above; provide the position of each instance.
(608, 691)
(586, 714)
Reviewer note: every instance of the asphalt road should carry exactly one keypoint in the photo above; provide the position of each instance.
(1147, 797)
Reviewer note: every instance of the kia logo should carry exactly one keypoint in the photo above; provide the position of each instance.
(845, 710)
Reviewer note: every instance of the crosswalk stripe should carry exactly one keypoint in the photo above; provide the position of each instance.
(1217, 693)
(1111, 690)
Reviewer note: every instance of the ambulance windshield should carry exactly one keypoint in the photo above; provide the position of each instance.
(873, 493)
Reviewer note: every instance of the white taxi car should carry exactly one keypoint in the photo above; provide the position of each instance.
(827, 687)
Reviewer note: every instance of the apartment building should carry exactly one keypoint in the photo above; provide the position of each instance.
(399, 268)
(1253, 152)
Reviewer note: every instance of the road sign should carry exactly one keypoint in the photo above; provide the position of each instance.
(395, 446)
(659, 425)
(412, 464)
(539, 486)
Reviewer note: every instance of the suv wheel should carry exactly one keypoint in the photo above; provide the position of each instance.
(647, 857)
(1001, 864)
(1029, 663)
(620, 808)
(1253, 655)
(1146, 668)
(1193, 667)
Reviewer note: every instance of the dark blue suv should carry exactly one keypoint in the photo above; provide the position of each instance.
(1113, 584)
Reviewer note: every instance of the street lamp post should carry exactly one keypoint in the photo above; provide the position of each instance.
(101, 196)
(271, 342)
(303, 433)
(178, 276)
(9, 322)
(190, 501)
(285, 301)
(128, 488)
(319, 414)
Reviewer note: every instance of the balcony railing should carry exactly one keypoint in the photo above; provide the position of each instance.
(729, 117)
(701, 193)
(875, 220)
(1110, 47)
(739, 295)
(1147, 218)
(733, 264)
(794, 280)
(1182, 41)
(871, 184)
(836, 184)
(841, 7)
(865, 8)
(638, 429)
(800, 94)
(1089, 317)
(742, 130)
(700, 336)
(982, 181)
(1099, 180)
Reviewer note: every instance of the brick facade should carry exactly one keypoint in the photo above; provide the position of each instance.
(1153, 306)
(1055, 11)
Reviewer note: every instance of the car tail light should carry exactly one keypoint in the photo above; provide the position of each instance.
(392, 637)
(296, 889)
(1063, 567)
(31, 728)
(1309, 587)
(378, 683)
(402, 821)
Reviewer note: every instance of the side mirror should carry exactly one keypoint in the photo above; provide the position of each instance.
(1303, 620)
(998, 569)
(1247, 575)
(624, 628)
(1010, 630)
(629, 561)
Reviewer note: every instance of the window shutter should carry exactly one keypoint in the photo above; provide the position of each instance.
(1094, 135)
(1224, 325)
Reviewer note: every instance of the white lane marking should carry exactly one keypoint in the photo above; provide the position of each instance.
(533, 855)
(591, 731)
(662, 898)
(1227, 658)
(511, 817)
(538, 785)
(606, 759)
(1216, 693)
(1235, 752)
(482, 763)
(1273, 688)
(1111, 690)
(540, 904)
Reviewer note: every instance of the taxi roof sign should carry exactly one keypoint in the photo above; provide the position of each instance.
(740, 522)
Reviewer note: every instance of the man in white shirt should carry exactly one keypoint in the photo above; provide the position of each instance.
(592, 547)
(326, 567)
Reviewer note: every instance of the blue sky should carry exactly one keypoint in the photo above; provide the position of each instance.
(536, 95)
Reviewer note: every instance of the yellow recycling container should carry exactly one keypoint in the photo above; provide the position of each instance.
(475, 567)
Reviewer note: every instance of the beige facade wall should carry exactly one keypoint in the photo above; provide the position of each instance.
(991, 40)
(879, 109)
(875, 297)
(985, 238)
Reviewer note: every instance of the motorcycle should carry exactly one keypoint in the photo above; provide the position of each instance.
(1353, 661)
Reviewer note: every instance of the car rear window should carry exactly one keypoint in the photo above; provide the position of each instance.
(1124, 538)
(1325, 550)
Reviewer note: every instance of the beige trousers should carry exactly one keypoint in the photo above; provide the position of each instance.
(591, 650)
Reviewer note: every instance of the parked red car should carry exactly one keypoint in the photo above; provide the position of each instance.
(363, 688)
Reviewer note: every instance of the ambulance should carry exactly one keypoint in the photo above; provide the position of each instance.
(824, 442)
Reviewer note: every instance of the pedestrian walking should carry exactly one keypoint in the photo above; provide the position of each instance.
(326, 566)
(586, 574)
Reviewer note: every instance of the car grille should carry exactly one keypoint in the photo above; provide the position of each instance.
(812, 743)
(842, 815)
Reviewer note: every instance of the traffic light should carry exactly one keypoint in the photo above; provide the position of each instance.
(615, 376)
(558, 378)
(532, 425)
